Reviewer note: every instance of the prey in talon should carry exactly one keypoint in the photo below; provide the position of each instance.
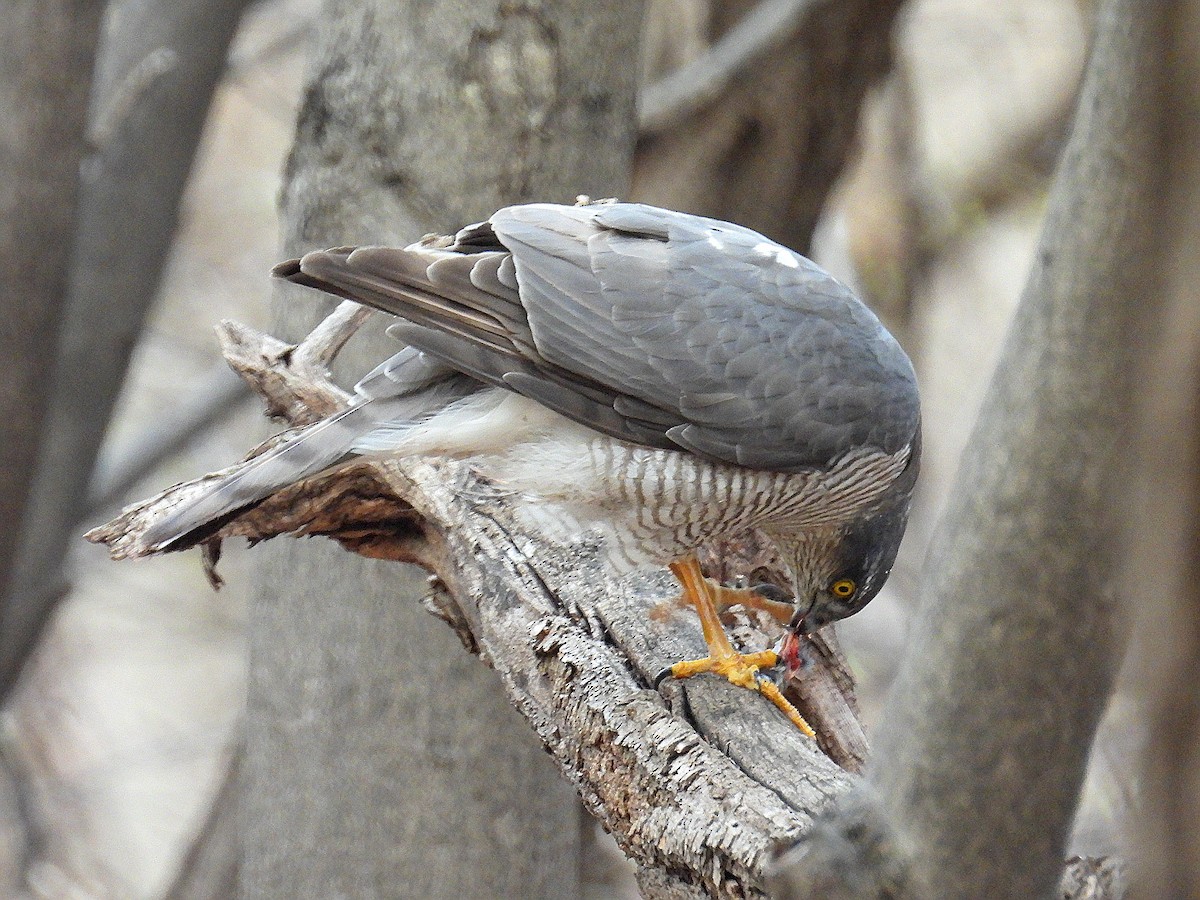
(742, 669)
(657, 379)
(832, 584)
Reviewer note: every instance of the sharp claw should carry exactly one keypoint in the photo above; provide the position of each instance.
(764, 678)
(662, 676)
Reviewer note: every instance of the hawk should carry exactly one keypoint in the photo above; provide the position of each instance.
(660, 378)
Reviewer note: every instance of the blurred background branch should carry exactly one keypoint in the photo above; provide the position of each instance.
(764, 30)
(157, 67)
(44, 78)
(792, 77)
(45, 71)
(1164, 575)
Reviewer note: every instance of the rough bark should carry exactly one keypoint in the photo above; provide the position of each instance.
(986, 733)
(575, 650)
(380, 760)
(45, 71)
(764, 142)
(157, 69)
(1093, 878)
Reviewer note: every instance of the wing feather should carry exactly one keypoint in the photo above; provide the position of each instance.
(649, 325)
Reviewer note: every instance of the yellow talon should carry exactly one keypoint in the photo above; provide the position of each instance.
(771, 691)
(751, 599)
(741, 669)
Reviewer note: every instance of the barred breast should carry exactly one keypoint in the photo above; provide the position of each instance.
(652, 506)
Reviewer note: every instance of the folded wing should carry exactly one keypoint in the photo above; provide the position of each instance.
(652, 326)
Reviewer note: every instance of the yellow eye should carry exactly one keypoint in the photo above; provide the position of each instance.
(843, 587)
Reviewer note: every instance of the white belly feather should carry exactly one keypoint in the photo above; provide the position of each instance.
(649, 505)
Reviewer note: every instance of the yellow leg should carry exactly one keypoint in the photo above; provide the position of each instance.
(727, 597)
(722, 659)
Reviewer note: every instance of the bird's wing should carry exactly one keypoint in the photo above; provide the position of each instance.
(657, 327)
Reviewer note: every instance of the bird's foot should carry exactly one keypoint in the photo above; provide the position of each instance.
(742, 669)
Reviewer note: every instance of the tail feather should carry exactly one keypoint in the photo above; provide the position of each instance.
(350, 432)
(310, 451)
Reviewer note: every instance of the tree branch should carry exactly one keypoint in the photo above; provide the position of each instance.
(1165, 566)
(158, 66)
(702, 791)
(680, 95)
(45, 72)
(714, 141)
(700, 797)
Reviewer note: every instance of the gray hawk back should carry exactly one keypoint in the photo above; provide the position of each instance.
(767, 361)
(657, 327)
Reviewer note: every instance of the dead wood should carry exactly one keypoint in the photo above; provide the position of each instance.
(701, 785)
(700, 788)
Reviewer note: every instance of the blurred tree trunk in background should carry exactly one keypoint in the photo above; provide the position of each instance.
(45, 74)
(765, 145)
(1164, 580)
(158, 65)
(984, 740)
(382, 760)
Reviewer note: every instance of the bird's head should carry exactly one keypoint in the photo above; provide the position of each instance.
(844, 574)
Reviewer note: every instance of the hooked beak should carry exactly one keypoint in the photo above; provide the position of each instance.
(801, 621)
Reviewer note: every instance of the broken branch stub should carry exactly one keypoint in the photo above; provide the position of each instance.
(701, 791)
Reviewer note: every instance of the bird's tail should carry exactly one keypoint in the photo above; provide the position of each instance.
(309, 451)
